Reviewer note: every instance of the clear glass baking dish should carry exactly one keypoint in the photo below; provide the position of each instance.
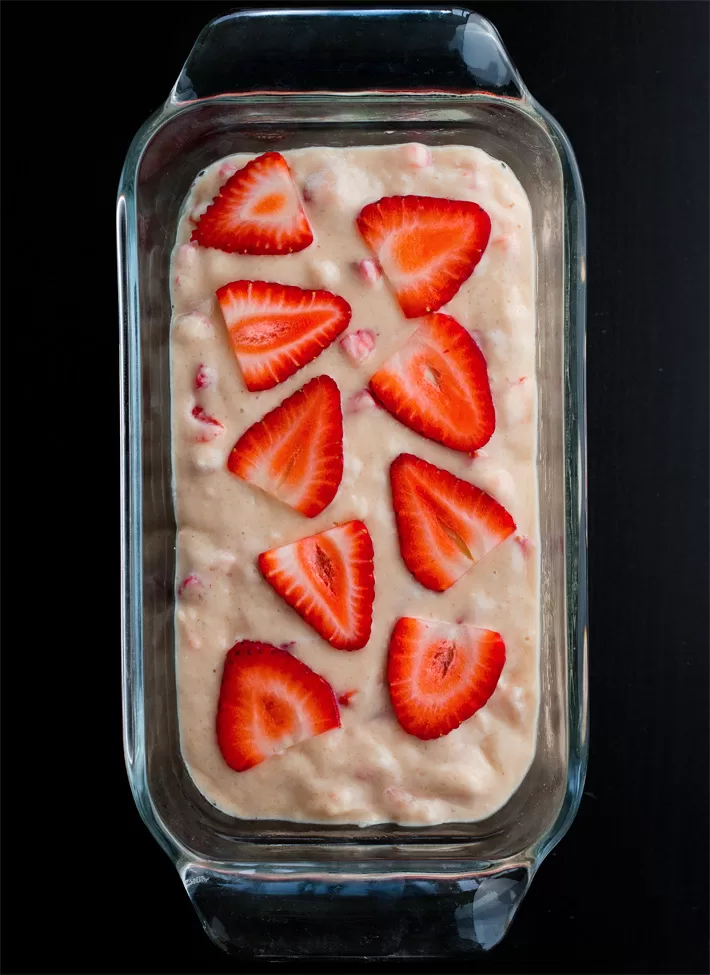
(281, 79)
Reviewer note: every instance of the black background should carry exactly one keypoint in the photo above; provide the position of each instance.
(85, 887)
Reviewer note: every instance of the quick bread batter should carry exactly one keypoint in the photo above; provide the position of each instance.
(369, 770)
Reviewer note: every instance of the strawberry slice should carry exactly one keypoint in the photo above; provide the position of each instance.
(329, 580)
(295, 452)
(437, 384)
(439, 674)
(257, 211)
(269, 700)
(426, 246)
(445, 525)
(276, 328)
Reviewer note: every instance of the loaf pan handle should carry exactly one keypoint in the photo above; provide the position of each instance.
(348, 50)
(299, 911)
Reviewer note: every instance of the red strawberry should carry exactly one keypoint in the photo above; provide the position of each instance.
(257, 211)
(368, 271)
(276, 328)
(439, 674)
(269, 700)
(359, 345)
(205, 377)
(426, 246)
(445, 525)
(295, 452)
(437, 384)
(359, 402)
(192, 585)
(210, 426)
(328, 579)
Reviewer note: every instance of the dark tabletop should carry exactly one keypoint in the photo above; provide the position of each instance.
(85, 887)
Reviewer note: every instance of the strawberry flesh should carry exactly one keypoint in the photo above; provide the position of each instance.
(359, 402)
(359, 345)
(295, 453)
(445, 525)
(329, 580)
(205, 377)
(426, 246)
(275, 329)
(210, 426)
(368, 270)
(440, 674)
(192, 584)
(269, 700)
(437, 384)
(257, 211)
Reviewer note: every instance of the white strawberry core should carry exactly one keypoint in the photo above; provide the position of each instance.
(272, 202)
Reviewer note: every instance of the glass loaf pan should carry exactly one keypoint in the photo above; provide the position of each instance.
(283, 79)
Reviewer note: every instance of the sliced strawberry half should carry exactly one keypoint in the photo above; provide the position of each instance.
(445, 525)
(276, 328)
(257, 211)
(437, 384)
(269, 700)
(329, 580)
(439, 674)
(295, 452)
(427, 247)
